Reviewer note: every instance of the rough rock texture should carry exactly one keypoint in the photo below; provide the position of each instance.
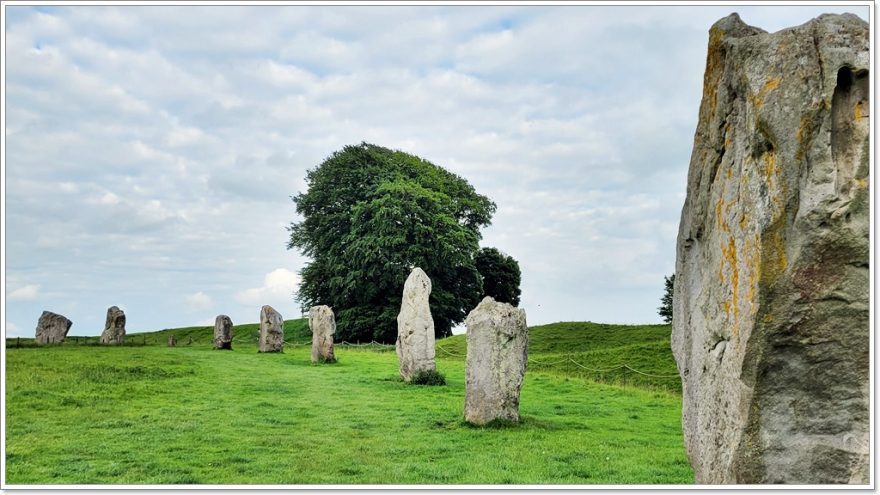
(114, 327)
(770, 328)
(52, 328)
(223, 332)
(415, 327)
(322, 323)
(172, 341)
(497, 353)
(271, 330)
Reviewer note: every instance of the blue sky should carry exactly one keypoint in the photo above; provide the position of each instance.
(151, 152)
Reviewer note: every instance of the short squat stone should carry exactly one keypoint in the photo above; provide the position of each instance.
(223, 332)
(52, 328)
(114, 327)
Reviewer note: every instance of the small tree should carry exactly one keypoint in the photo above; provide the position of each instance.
(500, 274)
(665, 309)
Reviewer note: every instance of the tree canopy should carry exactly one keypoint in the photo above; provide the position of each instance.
(500, 274)
(369, 216)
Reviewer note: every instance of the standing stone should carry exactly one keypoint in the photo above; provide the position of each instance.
(415, 327)
(223, 332)
(114, 328)
(172, 341)
(271, 330)
(52, 328)
(323, 326)
(770, 327)
(497, 353)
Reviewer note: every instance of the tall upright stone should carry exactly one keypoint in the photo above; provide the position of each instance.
(172, 341)
(52, 328)
(497, 354)
(415, 326)
(114, 327)
(223, 333)
(271, 330)
(322, 323)
(770, 327)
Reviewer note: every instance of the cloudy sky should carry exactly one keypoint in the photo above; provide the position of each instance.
(151, 152)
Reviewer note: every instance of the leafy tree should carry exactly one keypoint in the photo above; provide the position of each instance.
(665, 309)
(369, 216)
(500, 274)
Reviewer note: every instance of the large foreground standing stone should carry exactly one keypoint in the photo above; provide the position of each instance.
(322, 322)
(271, 330)
(770, 328)
(415, 327)
(114, 327)
(497, 352)
(52, 328)
(223, 332)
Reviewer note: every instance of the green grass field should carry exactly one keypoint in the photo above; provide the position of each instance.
(149, 414)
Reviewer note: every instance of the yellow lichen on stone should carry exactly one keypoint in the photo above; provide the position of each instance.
(713, 70)
(861, 183)
(804, 135)
(752, 257)
(728, 253)
(773, 258)
(770, 85)
(719, 216)
(770, 162)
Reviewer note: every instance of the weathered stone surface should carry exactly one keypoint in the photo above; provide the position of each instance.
(415, 326)
(223, 333)
(52, 328)
(497, 354)
(770, 328)
(271, 330)
(114, 327)
(322, 323)
(172, 341)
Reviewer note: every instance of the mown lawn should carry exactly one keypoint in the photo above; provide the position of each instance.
(187, 415)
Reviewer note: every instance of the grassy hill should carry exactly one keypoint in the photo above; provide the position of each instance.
(633, 355)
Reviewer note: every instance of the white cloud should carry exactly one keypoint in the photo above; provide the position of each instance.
(199, 301)
(278, 289)
(26, 293)
(109, 199)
